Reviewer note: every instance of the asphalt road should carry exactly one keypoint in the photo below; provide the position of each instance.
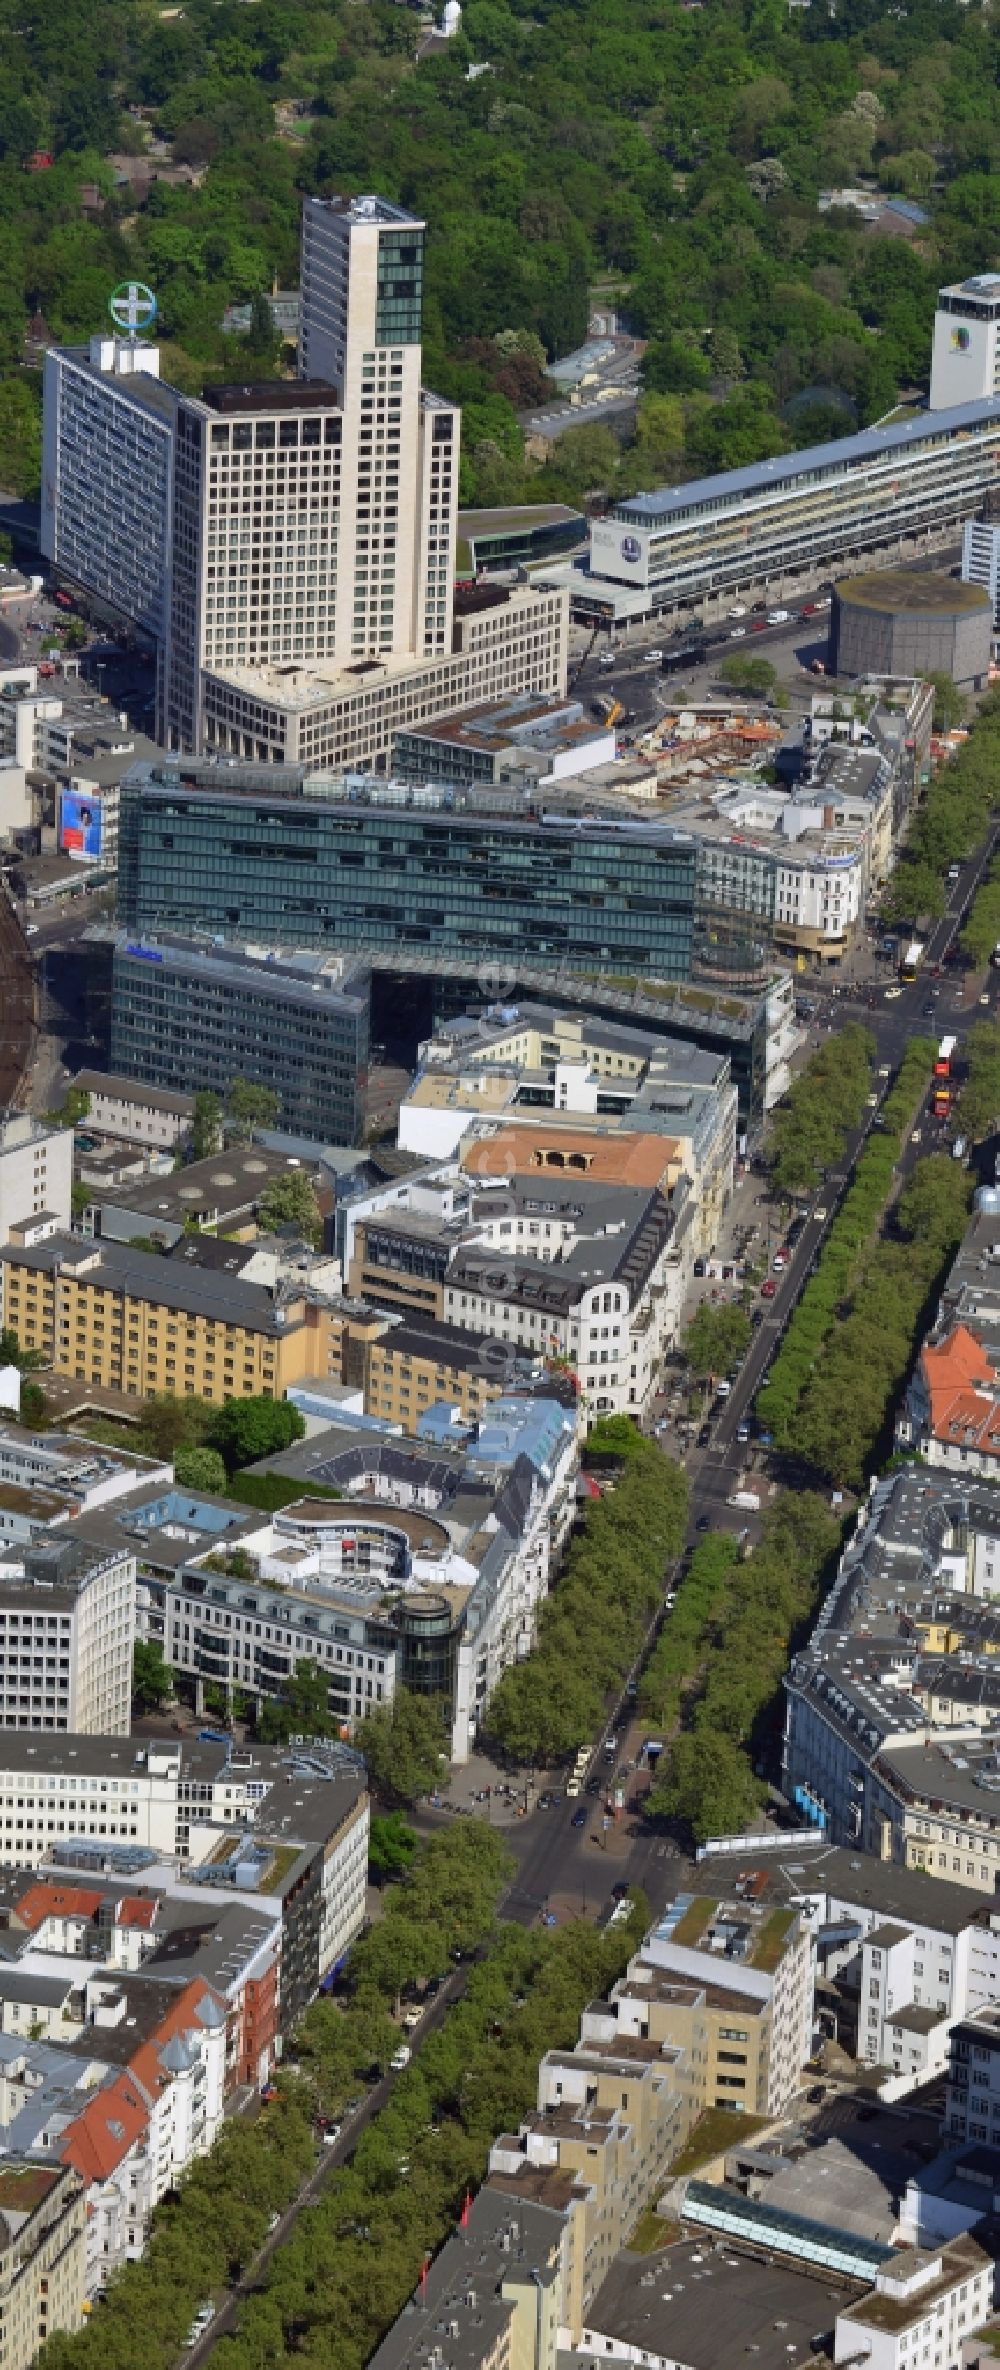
(645, 690)
(10, 642)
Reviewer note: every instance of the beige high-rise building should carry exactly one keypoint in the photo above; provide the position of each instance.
(362, 294)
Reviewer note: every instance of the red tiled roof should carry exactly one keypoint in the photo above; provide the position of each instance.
(962, 1415)
(137, 1913)
(108, 2127)
(56, 1900)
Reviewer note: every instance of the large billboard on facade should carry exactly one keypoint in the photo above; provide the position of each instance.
(81, 824)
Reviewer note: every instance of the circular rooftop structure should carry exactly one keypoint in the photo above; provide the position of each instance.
(911, 621)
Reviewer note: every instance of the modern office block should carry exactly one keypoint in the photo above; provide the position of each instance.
(67, 1628)
(189, 1015)
(107, 461)
(981, 559)
(366, 864)
(782, 523)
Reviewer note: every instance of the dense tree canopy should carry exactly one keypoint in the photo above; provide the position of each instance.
(675, 153)
(845, 1353)
(593, 1623)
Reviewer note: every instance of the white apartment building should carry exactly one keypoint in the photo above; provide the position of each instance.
(610, 1307)
(159, 1796)
(135, 2138)
(36, 1176)
(436, 1550)
(173, 1799)
(67, 1629)
(132, 1113)
(59, 1475)
(965, 356)
(973, 2101)
(981, 559)
(924, 2304)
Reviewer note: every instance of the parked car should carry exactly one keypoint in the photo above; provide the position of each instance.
(400, 2058)
(704, 1436)
(768, 1289)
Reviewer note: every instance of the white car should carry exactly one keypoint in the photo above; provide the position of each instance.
(820, 1216)
(573, 1789)
(892, 993)
(400, 2058)
(739, 633)
(655, 658)
(871, 1102)
(778, 616)
(738, 609)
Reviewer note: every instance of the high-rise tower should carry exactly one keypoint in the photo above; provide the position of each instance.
(360, 327)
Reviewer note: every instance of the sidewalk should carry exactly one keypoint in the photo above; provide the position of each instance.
(466, 1790)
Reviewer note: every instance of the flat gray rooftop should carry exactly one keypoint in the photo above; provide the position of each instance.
(711, 2311)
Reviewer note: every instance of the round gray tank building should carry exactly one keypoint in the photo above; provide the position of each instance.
(911, 621)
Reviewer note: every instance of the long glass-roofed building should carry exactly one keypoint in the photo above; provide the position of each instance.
(786, 520)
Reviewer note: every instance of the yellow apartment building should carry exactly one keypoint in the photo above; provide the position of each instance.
(140, 1324)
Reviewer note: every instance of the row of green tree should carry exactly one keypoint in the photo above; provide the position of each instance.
(978, 1106)
(355, 2253)
(981, 934)
(823, 1106)
(592, 1625)
(337, 2285)
(950, 821)
(848, 1346)
(717, 1670)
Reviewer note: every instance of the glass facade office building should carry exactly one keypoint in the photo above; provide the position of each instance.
(190, 1017)
(350, 862)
